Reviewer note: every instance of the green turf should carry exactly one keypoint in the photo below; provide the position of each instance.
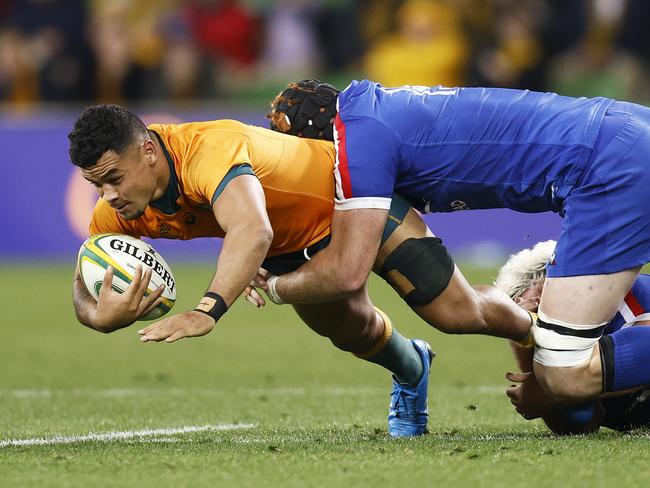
(318, 415)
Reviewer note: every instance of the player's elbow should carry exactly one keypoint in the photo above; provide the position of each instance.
(356, 283)
(263, 233)
(104, 329)
(107, 329)
(350, 279)
(257, 226)
(86, 321)
(266, 234)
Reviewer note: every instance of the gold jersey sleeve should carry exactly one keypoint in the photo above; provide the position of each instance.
(204, 152)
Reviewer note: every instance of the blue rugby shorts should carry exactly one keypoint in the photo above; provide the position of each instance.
(606, 226)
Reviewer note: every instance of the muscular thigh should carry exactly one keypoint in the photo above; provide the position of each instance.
(574, 310)
(592, 299)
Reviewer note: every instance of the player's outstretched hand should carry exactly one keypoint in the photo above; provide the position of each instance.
(116, 310)
(187, 324)
(529, 398)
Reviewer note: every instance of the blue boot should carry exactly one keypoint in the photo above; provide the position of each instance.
(408, 412)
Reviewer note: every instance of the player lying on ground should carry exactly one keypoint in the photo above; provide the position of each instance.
(270, 196)
(446, 149)
(522, 278)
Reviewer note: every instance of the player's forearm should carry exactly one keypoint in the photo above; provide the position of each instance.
(82, 305)
(342, 268)
(243, 250)
(523, 356)
(326, 277)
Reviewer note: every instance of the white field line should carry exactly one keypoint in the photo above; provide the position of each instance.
(146, 435)
(46, 393)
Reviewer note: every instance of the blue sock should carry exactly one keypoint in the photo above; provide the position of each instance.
(628, 351)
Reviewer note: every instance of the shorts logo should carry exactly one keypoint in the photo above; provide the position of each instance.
(551, 260)
(457, 205)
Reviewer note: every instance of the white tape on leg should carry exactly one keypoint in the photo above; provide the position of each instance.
(562, 344)
(549, 357)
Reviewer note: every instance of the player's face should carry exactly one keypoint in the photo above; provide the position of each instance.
(126, 181)
(529, 300)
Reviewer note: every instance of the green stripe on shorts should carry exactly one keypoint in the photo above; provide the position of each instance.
(398, 210)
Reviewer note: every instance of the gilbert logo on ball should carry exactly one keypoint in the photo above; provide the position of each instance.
(124, 253)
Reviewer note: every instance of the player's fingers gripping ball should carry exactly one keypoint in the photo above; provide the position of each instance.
(305, 109)
(124, 253)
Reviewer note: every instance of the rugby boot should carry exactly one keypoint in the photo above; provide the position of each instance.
(408, 412)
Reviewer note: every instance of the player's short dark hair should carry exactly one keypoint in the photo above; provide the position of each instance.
(102, 128)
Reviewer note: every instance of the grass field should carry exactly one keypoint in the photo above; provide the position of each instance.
(261, 401)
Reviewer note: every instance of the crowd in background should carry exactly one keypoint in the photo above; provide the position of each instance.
(179, 50)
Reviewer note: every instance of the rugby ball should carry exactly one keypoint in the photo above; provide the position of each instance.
(124, 253)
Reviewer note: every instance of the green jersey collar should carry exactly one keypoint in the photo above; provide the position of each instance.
(168, 203)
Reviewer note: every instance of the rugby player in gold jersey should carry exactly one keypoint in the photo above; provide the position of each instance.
(270, 196)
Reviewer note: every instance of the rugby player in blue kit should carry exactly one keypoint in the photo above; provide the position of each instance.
(522, 278)
(446, 149)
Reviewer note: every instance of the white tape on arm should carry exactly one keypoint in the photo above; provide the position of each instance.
(272, 292)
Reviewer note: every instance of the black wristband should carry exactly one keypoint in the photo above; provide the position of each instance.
(212, 304)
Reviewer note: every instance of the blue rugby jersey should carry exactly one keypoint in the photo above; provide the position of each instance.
(446, 149)
(634, 308)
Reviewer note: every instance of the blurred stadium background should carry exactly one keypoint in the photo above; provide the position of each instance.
(180, 60)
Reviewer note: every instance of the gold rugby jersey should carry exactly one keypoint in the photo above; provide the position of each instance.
(295, 173)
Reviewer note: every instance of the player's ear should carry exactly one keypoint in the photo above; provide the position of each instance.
(150, 154)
